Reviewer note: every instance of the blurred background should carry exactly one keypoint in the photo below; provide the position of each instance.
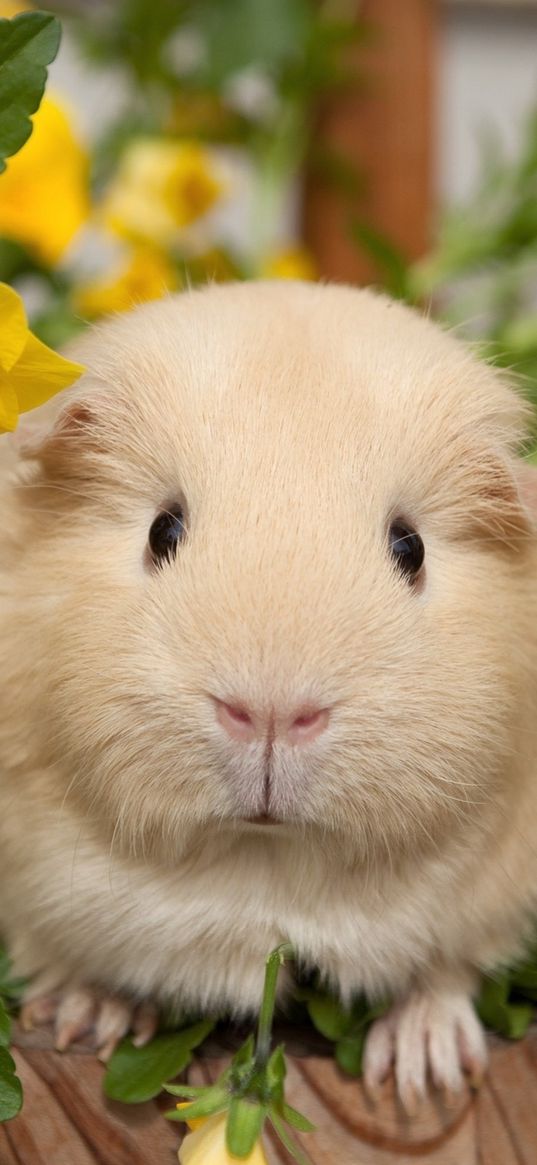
(391, 142)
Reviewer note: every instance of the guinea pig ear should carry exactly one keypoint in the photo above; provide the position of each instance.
(507, 500)
(60, 441)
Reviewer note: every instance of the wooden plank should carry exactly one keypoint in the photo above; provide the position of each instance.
(67, 1121)
(7, 1153)
(386, 128)
(513, 4)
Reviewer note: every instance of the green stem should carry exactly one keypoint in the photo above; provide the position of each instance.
(278, 156)
(264, 1028)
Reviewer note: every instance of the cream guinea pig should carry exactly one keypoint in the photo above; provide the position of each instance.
(269, 671)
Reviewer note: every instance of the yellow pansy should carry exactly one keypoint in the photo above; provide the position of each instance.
(10, 8)
(206, 1144)
(160, 187)
(44, 191)
(30, 372)
(148, 274)
(289, 263)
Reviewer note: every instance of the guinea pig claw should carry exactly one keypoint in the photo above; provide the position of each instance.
(144, 1024)
(77, 1011)
(112, 1023)
(74, 1018)
(38, 1011)
(411, 1099)
(378, 1057)
(473, 1058)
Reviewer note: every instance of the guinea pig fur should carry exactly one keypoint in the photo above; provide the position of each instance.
(275, 730)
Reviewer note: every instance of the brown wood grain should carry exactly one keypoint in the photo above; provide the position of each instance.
(385, 127)
(67, 1121)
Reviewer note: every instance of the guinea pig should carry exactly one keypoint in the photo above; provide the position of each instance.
(269, 672)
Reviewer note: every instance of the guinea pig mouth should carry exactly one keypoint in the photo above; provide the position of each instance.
(262, 819)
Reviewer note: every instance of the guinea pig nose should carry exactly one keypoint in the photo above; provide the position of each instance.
(306, 726)
(237, 722)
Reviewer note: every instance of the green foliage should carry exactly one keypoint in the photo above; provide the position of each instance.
(346, 1027)
(391, 264)
(301, 45)
(28, 44)
(137, 1074)
(327, 1015)
(497, 1012)
(5, 1025)
(10, 1085)
(251, 33)
(506, 1003)
(482, 274)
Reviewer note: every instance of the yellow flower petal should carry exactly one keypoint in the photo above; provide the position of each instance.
(9, 406)
(10, 8)
(190, 188)
(30, 372)
(147, 275)
(13, 327)
(40, 373)
(198, 1121)
(290, 263)
(160, 187)
(44, 191)
(207, 1146)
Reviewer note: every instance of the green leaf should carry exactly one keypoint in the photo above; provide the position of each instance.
(244, 1125)
(5, 967)
(329, 1016)
(516, 1020)
(27, 45)
(11, 989)
(242, 1067)
(292, 1148)
(349, 1053)
(5, 1026)
(296, 1119)
(491, 1001)
(391, 263)
(137, 1074)
(244, 1057)
(525, 976)
(266, 33)
(275, 1071)
(185, 1091)
(214, 1099)
(10, 1087)
(497, 1012)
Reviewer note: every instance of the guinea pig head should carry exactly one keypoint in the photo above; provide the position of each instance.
(268, 547)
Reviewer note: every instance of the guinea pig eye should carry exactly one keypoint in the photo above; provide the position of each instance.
(407, 550)
(167, 531)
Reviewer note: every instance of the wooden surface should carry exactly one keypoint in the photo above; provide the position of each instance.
(386, 128)
(66, 1121)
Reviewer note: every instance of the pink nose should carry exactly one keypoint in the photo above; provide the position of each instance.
(302, 726)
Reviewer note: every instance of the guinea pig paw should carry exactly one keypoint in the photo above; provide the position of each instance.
(108, 1017)
(115, 1018)
(427, 1035)
(79, 1011)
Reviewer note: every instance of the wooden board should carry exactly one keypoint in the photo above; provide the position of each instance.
(67, 1121)
(386, 127)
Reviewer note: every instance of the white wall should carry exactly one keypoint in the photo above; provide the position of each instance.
(487, 79)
